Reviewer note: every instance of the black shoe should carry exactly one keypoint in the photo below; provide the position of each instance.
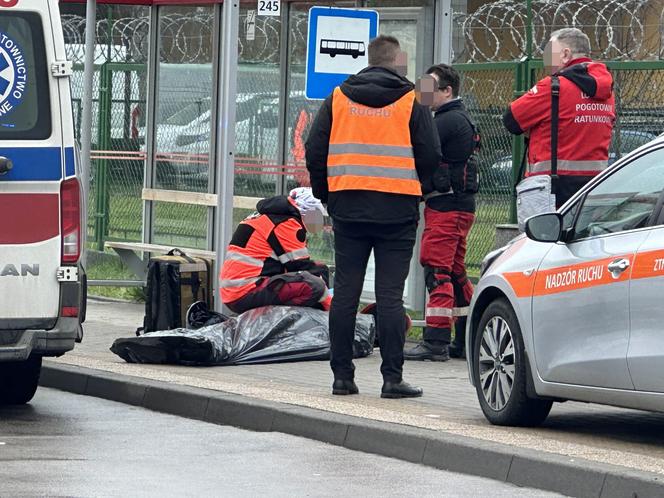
(457, 351)
(424, 351)
(400, 390)
(344, 387)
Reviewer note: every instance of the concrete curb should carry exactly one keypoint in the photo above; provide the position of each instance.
(522, 467)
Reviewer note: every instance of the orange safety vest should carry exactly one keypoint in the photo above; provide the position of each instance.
(259, 248)
(370, 147)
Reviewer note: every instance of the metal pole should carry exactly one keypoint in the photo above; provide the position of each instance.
(150, 121)
(284, 92)
(444, 32)
(529, 29)
(225, 161)
(88, 79)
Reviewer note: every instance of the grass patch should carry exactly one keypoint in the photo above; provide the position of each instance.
(113, 269)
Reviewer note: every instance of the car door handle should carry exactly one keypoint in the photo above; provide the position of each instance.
(6, 165)
(618, 266)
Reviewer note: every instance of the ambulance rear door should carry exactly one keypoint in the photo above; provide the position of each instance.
(31, 143)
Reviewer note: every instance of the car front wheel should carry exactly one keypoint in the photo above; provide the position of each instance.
(500, 370)
(19, 380)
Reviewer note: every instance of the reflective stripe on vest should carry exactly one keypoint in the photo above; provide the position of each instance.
(237, 282)
(370, 148)
(236, 256)
(293, 255)
(587, 168)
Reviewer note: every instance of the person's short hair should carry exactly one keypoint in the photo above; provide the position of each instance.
(383, 51)
(577, 41)
(447, 76)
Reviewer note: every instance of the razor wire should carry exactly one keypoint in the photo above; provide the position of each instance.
(184, 38)
(618, 29)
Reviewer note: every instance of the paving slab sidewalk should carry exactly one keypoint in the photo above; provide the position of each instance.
(605, 435)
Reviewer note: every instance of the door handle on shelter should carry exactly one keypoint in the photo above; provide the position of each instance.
(618, 266)
(6, 165)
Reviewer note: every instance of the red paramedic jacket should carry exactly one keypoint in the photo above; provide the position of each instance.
(586, 118)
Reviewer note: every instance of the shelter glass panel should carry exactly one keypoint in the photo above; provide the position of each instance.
(183, 132)
(119, 92)
(257, 163)
(184, 98)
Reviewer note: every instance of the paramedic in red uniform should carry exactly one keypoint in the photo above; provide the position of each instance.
(586, 115)
(267, 261)
(448, 217)
(369, 148)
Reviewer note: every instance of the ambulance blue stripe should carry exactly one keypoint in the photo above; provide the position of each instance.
(33, 163)
(70, 165)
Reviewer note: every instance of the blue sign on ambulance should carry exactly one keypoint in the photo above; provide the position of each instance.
(337, 47)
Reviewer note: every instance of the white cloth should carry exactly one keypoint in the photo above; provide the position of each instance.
(305, 200)
(310, 208)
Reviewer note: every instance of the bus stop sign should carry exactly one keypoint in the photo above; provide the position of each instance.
(337, 47)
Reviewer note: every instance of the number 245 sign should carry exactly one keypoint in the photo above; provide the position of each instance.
(269, 7)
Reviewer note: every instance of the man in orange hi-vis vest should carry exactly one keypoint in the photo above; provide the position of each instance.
(267, 261)
(369, 149)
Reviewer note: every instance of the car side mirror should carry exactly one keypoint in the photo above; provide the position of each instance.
(546, 227)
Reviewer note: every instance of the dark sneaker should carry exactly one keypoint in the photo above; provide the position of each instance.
(457, 351)
(401, 389)
(424, 352)
(344, 387)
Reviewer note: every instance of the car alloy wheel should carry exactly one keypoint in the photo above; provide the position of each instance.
(497, 367)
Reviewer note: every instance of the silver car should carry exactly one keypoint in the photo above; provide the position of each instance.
(574, 309)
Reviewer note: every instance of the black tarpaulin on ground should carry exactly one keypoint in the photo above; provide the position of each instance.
(263, 335)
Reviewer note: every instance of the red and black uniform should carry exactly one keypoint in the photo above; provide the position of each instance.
(448, 217)
(267, 261)
(586, 118)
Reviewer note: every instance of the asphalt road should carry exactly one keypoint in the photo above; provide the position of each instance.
(69, 445)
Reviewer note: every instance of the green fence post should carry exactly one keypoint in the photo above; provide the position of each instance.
(103, 144)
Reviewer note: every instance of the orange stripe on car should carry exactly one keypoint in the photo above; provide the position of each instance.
(567, 278)
(649, 264)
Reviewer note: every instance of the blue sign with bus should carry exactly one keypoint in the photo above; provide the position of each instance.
(337, 47)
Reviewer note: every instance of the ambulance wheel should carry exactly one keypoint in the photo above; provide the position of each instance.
(500, 370)
(19, 380)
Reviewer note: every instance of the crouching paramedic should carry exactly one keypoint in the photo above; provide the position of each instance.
(448, 217)
(267, 261)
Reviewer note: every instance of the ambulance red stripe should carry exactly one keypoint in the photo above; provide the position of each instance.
(29, 218)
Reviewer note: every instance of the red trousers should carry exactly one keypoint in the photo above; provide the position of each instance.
(288, 289)
(443, 256)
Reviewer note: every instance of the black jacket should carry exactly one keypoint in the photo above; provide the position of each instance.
(374, 87)
(457, 144)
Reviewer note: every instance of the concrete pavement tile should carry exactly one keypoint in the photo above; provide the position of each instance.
(63, 375)
(241, 412)
(470, 456)
(383, 439)
(321, 426)
(563, 475)
(177, 400)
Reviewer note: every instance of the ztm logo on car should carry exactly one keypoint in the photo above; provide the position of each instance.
(8, 3)
(13, 74)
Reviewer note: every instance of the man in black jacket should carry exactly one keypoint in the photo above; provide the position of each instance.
(369, 148)
(449, 215)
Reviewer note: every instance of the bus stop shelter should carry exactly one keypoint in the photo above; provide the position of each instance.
(232, 59)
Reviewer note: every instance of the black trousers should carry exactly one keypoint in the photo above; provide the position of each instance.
(393, 249)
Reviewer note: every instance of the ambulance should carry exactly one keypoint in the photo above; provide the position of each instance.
(574, 309)
(42, 281)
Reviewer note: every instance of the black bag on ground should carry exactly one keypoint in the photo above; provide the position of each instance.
(262, 335)
(175, 282)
